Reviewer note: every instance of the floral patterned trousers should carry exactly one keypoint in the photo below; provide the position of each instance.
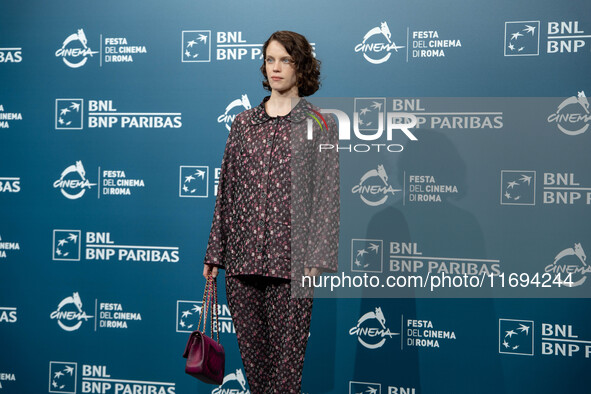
(272, 331)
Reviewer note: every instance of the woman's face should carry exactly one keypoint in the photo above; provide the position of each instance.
(281, 71)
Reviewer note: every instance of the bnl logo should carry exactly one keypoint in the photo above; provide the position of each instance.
(194, 181)
(364, 388)
(62, 377)
(66, 245)
(518, 187)
(516, 337)
(69, 114)
(189, 313)
(196, 46)
(522, 38)
(366, 255)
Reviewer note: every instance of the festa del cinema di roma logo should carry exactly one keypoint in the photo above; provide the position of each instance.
(571, 264)
(572, 116)
(375, 42)
(72, 181)
(242, 103)
(75, 50)
(368, 190)
(372, 337)
(234, 383)
(69, 313)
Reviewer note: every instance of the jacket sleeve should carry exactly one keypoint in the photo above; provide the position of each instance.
(220, 226)
(323, 239)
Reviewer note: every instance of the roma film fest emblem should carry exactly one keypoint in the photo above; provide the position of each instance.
(75, 51)
(365, 188)
(228, 117)
(72, 182)
(375, 42)
(572, 116)
(571, 265)
(372, 337)
(69, 313)
(234, 383)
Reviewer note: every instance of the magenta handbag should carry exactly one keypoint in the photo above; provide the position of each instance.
(206, 357)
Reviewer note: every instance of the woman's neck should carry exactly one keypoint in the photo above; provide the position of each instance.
(281, 104)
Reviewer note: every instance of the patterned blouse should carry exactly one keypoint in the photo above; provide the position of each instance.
(277, 207)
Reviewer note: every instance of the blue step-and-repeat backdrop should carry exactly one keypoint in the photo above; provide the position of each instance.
(113, 120)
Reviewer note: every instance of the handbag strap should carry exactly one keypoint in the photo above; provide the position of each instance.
(204, 307)
(210, 305)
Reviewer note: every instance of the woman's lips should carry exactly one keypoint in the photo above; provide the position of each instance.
(276, 78)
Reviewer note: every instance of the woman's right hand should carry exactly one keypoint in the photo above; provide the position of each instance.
(210, 269)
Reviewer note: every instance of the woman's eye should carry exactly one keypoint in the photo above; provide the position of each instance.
(283, 61)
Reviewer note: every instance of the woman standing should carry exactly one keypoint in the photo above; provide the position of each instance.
(265, 187)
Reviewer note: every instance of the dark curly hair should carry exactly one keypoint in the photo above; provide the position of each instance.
(306, 65)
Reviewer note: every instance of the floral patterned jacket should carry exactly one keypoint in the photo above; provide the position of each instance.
(277, 207)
